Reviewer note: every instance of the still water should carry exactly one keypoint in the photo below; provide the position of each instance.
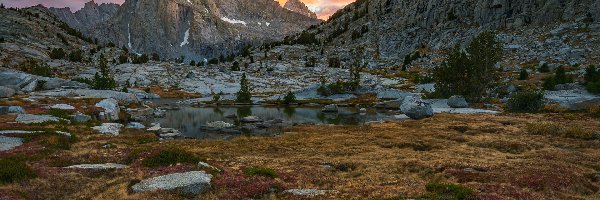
(192, 121)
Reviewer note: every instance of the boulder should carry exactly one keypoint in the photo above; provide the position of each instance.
(109, 128)
(29, 83)
(105, 166)
(8, 143)
(330, 108)
(251, 119)
(111, 109)
(189, 183)
(219, 125)
(415, 108)
(6, 92)
(31, 87)
(135, 125)
(457, 101)
(81, 118)
(34, 119)
(16, 110)
(306, 192)
(63, 107)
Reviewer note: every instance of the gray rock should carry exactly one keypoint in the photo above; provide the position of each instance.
(109, 128)
(194, 183)
(457, 101)
(219, 125)
(158, 113)
(18, 132)
(415, 108)
(206, 165)
(251, 119)
(6, 92)
(596, 135)
(31, 87)
(111, 109)
(307, 192)
(30, 119)
(63, 107)
(16, 110)
(121, 97)
(105, 166)
(8, 143)
(330, 108)
(135, 125)
(168, 133)
(81, 118)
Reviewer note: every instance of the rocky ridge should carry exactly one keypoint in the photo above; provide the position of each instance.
(299, 7)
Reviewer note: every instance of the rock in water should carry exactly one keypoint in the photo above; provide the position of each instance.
(457, 101)
(251, 119)
(135, 125)
(111, 109)
(330, 108)
(219, 124)
(415, 108)
(6, 92)
(194, 183)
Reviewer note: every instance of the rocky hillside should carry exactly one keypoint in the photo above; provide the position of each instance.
(299, 7)
(391, 29)
(32, 33)
(194, 29)
(88, 17)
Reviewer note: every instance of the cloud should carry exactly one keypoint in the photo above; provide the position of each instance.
(323, 8)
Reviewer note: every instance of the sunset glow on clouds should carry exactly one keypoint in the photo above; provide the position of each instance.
(323, 8)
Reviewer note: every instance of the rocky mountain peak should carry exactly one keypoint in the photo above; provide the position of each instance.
(299, 7)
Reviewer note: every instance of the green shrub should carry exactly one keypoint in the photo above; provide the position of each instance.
(592, 79)
(289, 98)
(35, 68)
(13, 170)
(260, 171)
(59, 113)
(123, 58)
(244, 95)
(561, 77)
(523, 75)
(76, 56)
(171, 156)
(525, 102)
(544, 68)
(57, 53)
(471, 73)
(448, 191)
(235, 66)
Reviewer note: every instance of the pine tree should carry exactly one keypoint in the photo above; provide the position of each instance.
(523, 75)
(289, 98)
(103, 80)
(244, 95)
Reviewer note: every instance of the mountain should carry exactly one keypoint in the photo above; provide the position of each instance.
(391, 29)
(88, 17)
(299, 7)
(32, 32)
(194, 29)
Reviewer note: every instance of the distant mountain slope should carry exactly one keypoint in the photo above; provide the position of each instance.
(88, 17)
(32, 33)
(194, 29)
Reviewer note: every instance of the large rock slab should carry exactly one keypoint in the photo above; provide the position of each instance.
(111, 109)
(31, 119)
(194, 182)
(121, 97)
(415, 108)
(8, 143)
(105, 166)
(27, 82)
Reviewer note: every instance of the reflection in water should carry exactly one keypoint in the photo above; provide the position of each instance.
(191, 121)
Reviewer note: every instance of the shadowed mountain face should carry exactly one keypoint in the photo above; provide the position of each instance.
(195, 29)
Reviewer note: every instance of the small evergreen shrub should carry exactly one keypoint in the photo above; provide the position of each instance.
(35, 68)
(544, 68)
(523, 75)
(76, 56)
(260, 171)
(592, 79)
(525, 102)
(244, 95)
(57, 53)
(235, 66)
(13, 170)
(289, 98)
(168, 157)
(448, 191)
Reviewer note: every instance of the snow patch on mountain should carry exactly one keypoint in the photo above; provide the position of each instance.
(185, 38)
(128, 37)
(233, 21)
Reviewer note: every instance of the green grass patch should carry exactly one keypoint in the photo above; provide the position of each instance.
(170, 156)
(13, 170)
(448, 191)
(59, 113)
(260, 171)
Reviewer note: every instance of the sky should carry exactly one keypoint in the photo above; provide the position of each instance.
(323, 8)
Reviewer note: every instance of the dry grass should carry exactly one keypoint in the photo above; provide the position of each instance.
(499, 157)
